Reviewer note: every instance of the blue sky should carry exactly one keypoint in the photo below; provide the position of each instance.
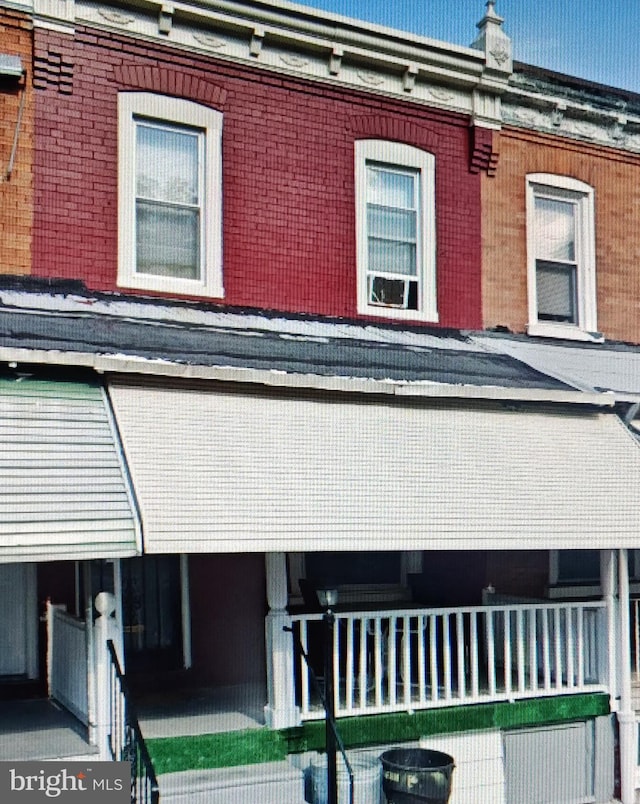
(598, 40)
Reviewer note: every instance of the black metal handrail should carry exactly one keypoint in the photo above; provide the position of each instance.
(329, 718)
(126, 742)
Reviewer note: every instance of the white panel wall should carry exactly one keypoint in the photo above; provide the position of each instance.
(221, 471)
(478, 777)
(62, 487)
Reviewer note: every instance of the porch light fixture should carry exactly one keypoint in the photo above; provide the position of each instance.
(328, 597)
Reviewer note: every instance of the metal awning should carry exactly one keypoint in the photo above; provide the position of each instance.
(602, 367)
(218, 469)
(63, 488)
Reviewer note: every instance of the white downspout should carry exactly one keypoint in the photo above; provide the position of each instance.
(626, 716)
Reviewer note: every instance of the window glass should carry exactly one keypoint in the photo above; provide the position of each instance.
(343, 568)
(579, 565)
(167, 202)
(556, 291)
(392, 222)
(555, 230)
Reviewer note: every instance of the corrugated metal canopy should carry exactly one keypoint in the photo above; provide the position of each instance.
(587, 366)
(231, 471)
(63, 493)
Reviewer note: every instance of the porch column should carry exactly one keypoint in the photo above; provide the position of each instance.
(609, 663)
(626, 715)
(106, 627)
(281, 711)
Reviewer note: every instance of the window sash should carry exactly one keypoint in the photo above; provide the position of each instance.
(395, 230)
(393, 236)
(557, 291)
(169, 195)
(561, 258)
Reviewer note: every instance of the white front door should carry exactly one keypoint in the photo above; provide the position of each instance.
(18, 620)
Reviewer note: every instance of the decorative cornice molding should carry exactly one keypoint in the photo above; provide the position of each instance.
(116, 17)
(306, 43)
(541, 109)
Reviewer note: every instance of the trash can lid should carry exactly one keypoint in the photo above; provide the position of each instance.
(416, 759)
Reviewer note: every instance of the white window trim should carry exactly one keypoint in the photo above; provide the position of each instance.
(402, 156)
(180, 112)
(587, 326)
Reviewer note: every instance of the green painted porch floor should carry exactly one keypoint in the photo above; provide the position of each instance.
(257, 745)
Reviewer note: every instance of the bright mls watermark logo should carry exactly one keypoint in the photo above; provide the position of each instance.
(65, 782)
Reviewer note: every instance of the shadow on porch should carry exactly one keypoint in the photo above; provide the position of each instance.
(39, 729)
(187, 711)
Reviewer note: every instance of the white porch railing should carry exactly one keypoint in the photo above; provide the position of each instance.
(67, 661)
(409, 659)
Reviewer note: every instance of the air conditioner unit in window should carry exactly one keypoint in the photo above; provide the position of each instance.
(385, 291)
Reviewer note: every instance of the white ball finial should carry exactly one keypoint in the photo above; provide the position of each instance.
(105, 603)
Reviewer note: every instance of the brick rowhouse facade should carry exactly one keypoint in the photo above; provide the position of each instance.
(613, 173)
(288, 173)
(16, 196)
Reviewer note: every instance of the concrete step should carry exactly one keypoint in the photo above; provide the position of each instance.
(270, 783)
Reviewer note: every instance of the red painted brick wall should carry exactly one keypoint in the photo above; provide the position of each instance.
(288, 183)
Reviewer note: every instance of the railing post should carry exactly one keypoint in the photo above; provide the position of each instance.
(627, 723)
(105, 628)
(281, 711)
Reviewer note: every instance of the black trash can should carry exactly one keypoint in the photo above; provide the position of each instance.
(416, 776)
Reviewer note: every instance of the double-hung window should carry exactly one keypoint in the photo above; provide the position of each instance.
(561, 257)
(395, 219)
(169, 195)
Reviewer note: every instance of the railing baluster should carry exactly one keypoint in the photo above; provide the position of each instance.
(305, 704)
(507, 651)
(377, 629)
(569, 642)
(533, 649)
(363, 679)
(520, 643)
(422, 659)
(546, 648)
(336, 666)
(460, 646)
(491, 653)
(473, 631)
(580, 651)
(433, 656)
(407, 649)
(558, 648)
(446, 647)
(350, 668)
(392, 668)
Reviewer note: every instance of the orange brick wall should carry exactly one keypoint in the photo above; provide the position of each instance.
(615, 177)
(16, 192)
